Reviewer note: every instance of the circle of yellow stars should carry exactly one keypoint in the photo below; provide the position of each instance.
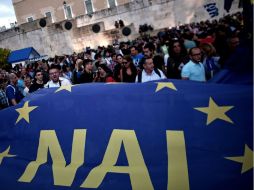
(213, 111)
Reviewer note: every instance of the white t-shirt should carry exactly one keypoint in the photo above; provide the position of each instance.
(62, 82)
(150, 77)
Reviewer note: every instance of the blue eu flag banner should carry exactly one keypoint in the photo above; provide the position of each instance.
(167, 135)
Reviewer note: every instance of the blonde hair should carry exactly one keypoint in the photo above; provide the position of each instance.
(208, 49)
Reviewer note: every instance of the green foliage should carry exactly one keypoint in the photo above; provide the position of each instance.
(4, 53)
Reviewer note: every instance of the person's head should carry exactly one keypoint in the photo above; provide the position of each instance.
(176, 47)
(148, 65)
(233, 42)
(103, 70)
(28, 80)
(23, 71)
(119, 59)
(127, 61)
(107, 53)
(54, 73)
(113, 56)
(79, 63)
(98, 57)
(134, 50)
(188, 35)
(38, 75)
(88, 64)
(88, 54)
(45, 66)
(195, 54)
(208, 49)
(40, 65)
(148, 50)
(13, 78)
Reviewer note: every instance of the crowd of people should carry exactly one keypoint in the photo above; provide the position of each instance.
(195, 51)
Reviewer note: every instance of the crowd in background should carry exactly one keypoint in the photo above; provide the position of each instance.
(195, 51)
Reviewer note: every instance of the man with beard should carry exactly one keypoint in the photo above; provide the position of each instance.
(55, 79)
(194, 69)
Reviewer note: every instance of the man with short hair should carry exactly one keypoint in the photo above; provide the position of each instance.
(149, 73)
(136, 56)
(87, 75)
(12, 92)
(149, 51)
(194, 69)
(28, 83)
(38, 81)
(55, 79)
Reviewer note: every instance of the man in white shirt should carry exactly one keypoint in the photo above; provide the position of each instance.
(149, 73)
(55, 79)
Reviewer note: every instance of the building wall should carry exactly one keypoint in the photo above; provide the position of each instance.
(55, 40)
(100, 4)
(37, 9)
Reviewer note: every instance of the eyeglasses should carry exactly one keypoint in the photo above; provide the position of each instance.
(55, 73)
(197, 54)
(125, 62)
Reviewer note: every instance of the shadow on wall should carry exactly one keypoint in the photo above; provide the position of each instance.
(185, 10)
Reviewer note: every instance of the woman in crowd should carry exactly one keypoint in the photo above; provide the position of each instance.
(118, 67)
(128, 72)
(104, 74)
(178, 57)
(210, 60)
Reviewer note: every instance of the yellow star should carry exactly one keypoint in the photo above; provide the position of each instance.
(5, 154)
(67, 87)
(246, 159)
(162, 85)
(24, 112)
(214, 112)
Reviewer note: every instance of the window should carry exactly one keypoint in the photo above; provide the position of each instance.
(89, 6)
(111, 3)
(67, 11)
(49, 15)
(30, 19)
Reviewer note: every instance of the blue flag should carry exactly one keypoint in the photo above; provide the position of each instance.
(228, 4)
(164, 135)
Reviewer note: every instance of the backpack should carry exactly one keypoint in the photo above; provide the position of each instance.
(155, 70)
